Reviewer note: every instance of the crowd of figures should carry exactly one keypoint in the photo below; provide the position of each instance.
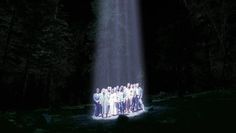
(112, 101)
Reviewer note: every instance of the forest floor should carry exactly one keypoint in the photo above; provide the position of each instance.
(202, 112)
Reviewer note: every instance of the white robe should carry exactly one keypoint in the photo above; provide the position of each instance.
(112, 104)
(104, 102)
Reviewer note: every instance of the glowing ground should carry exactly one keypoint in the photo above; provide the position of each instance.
(115, 117)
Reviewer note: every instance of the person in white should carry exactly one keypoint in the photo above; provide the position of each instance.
(139, 94)
(128, 99)
(104, 102)
(112, 103)
(131, 91)
(125, 98)
(108, 99)
(134, 100)
(121, 100)
(116, 100)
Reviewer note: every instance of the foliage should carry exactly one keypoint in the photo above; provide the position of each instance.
(39, 54)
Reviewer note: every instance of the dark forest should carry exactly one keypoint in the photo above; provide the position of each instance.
(47, 53)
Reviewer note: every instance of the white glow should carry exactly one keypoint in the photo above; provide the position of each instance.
(119, 58)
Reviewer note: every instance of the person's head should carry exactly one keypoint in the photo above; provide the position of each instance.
(128, 85)
(124, 88)
(121, 89)
(103, 91)
(97, 90)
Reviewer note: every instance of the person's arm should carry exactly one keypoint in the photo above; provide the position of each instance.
(141, 92)
(95, 98)
(100, 98)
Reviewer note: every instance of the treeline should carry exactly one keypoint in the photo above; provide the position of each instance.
(45, 61)
(195, 50)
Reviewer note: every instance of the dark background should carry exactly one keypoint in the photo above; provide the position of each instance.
(47, 49)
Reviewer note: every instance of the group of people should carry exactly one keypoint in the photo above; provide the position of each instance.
(112, 101)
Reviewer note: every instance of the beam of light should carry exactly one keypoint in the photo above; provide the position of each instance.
(118, 58)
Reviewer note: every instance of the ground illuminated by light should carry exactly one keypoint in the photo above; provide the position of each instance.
(115, 117)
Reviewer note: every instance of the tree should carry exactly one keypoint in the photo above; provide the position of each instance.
(214, 16)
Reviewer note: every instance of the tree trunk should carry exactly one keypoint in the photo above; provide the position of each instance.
(45, 85)
(223, 43)
(51, 90)
(9, 36)
(56, 8)
(26, 76)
